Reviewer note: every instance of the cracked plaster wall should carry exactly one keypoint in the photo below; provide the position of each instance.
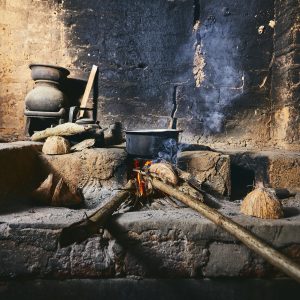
(196, 64)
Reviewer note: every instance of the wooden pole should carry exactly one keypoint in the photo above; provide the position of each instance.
(274, 257)
(79, 231)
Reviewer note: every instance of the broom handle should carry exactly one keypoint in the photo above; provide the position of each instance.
(273, 256)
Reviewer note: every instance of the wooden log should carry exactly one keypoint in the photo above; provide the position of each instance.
(190, 179)
(66, 129)
(165, 172)
(271, 255)
(170, 173)
(79, 231)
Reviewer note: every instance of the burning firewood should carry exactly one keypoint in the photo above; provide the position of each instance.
(66, 129)
(165, 172)
(262, 203)
(171, 174)
(55, 145)
(250, 240)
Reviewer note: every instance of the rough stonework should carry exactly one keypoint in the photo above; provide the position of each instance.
(174, 243)
(276, 169)
(286, 68)
(150, 243)
(210, 168)
(95, 171)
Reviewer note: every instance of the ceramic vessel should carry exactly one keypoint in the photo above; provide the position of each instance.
(47, 94)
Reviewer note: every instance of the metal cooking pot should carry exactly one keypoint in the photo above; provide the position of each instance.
(147, 143)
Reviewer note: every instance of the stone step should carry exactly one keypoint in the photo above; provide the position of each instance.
(152, 243)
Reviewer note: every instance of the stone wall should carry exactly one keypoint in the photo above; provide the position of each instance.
(286, 79)
(196, 64)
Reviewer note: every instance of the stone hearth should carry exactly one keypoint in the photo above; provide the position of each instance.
(166, 242)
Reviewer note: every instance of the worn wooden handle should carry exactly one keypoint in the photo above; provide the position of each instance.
(87, 90)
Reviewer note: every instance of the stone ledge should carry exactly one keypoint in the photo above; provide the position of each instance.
(174, 243)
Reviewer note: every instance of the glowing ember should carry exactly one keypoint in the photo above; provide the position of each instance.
(139, 165)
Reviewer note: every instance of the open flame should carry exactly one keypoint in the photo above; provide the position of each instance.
(139, 165)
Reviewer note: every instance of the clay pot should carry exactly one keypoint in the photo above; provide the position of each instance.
(45, 96)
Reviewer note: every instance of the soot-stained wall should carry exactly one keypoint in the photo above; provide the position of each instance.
(286, 74)
(200, 65)
(204, 66)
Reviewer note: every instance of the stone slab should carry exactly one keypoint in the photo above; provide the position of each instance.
(151, 243)
(210, 168)
(97, 172)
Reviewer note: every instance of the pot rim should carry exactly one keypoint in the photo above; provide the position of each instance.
(153, 131)
(62, 69)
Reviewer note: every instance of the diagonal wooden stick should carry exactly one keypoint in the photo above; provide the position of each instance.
(273, 256)
(79, 231)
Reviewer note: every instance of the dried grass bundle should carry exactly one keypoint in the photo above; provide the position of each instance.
(262, 203)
